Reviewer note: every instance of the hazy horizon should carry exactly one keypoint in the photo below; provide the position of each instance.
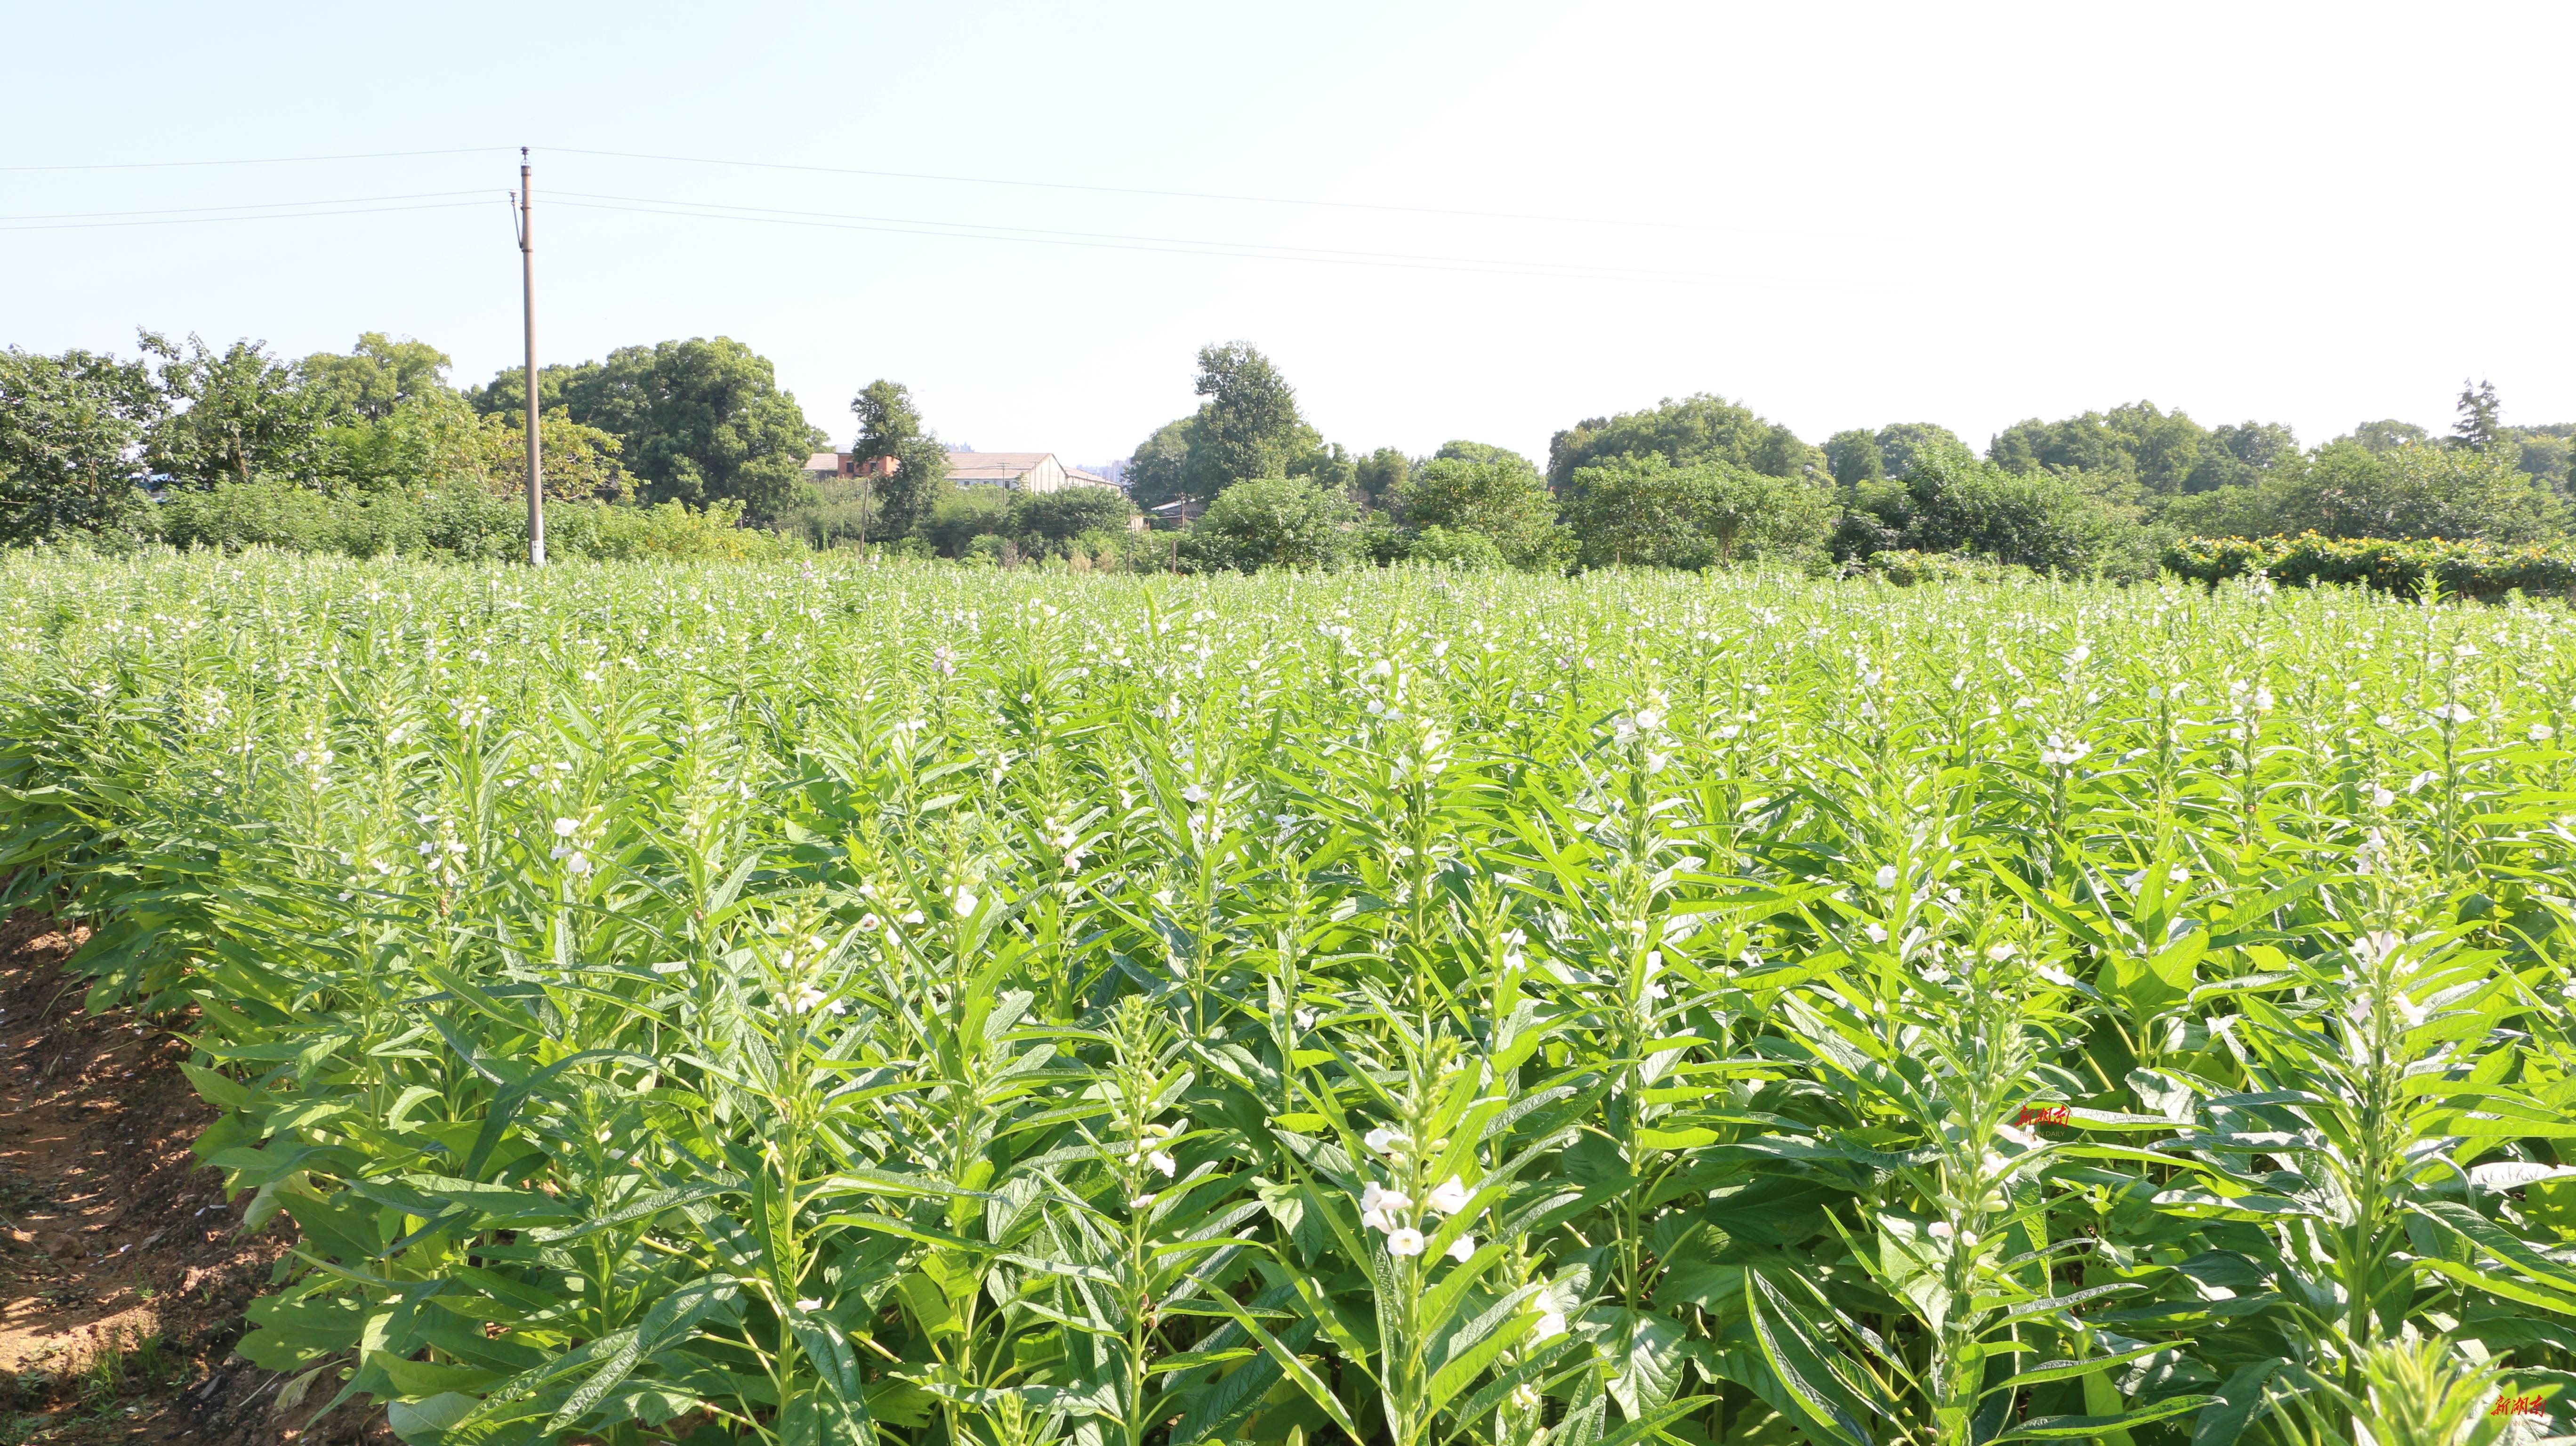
(1841, 218)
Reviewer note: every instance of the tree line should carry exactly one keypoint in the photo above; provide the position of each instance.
(184, 441)
(1703, 481)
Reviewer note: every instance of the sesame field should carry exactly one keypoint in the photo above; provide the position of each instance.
(826, 1004)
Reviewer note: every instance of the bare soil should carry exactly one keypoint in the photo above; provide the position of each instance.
(122, 1268)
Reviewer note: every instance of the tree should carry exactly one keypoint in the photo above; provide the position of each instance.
(1159, 470)
(2241, 455)
(2543, 452)
(560, 385)
(890, 426)
(377, 375)
(425, 439)
(2158, 450)
(2414, 490)
(2386, 435)
(1328, 466)
(69, 429)
(1248, 426)
(1472, 487)
(1696, 429)
(1641, 510)
(1952, 502)
(2481, 423)
(700, 420)
(1379, 474)
(1068, 512)
(963, 514)
(1852, 456)
(575, 463)
(1901, 444)
(1273, 522)
(240, 413)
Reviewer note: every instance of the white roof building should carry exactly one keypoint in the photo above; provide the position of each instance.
(1020, 471)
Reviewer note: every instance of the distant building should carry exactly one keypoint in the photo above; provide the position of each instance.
(824, 465)
(1020, 472)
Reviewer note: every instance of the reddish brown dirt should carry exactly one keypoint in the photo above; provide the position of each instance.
(116, 1246)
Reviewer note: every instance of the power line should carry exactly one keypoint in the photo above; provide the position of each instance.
(1178, 195)
(247, 206)
(718, 210)
(259, 160)
(1208, 249)
(949, 179)
(209, 220)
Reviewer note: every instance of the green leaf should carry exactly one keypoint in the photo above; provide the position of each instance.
(2085, 1428)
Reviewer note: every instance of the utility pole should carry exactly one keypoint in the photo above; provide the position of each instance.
(528, 298)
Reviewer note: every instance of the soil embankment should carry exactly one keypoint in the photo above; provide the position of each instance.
(123, 1274)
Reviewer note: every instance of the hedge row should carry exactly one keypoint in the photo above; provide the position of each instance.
(2471, 569)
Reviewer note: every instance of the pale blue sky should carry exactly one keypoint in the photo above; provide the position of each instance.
(1844, 215)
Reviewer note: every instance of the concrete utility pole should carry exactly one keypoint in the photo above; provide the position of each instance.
(528, 288)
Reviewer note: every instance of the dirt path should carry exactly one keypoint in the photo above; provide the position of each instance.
(120, 1264)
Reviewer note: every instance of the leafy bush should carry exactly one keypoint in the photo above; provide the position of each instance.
(1949, 502)
(1904, 567)
(1271, 522)
(464, 523)
(1056, 518)
(964, 514)
(1641, 510)
(1490, 492)
(1461, 549)
(2462, 569)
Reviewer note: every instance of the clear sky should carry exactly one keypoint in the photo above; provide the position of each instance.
(1841, 214)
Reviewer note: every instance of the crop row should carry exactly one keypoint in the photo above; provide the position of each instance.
(830, 1004)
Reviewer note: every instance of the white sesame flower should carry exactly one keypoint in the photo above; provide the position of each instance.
(1448, 1197)
(1163, 1162)
(1385, 1141)
(2381, 797)
(810, 1303)
(2542, 732)
(964, 900)
(567, 827)
(807, 998)
(1462, 1248)
(1939, 1230)
(1877, 933)
(1141, 1202)
(1551, 1324)
(1379, 1200)
(1194, 794)
(1887, 876)
(2027, 1139)
(1404, 1241)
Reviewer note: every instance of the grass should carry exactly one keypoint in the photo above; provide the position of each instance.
(822, 1003)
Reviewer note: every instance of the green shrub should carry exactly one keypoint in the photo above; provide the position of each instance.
(1643, 511)
(1905, 567)
(468, 524)
(2462, 569)
(1460, 549)
(1271, 522)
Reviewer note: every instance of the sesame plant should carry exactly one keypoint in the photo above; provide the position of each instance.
(768, 1004)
